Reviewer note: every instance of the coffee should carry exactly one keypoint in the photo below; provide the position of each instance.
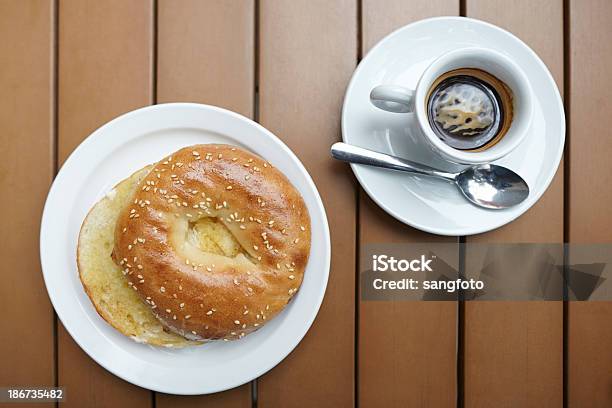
(469, 109)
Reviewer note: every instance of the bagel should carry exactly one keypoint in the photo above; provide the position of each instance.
(103, 281)
(214, 241)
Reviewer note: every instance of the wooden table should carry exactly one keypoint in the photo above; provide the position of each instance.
(68, 66)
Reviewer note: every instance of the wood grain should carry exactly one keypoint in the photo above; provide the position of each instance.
(307, 54)
(407, 350)
(381, 17)
(105, 69)
(590, 175)
(206, 54)
(26, 170)
(514, 350)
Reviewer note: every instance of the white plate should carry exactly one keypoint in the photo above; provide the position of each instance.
(428, 204)
(112, 153)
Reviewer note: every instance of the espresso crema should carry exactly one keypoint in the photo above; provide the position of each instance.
(469, 109)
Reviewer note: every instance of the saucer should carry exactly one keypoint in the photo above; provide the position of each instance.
(425, 203)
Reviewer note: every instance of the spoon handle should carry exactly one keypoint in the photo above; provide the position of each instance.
(359, 155)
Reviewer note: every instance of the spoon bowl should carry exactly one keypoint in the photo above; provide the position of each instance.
(492, 186)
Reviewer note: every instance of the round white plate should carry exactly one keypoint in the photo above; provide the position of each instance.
(112, 153)
(428, 204)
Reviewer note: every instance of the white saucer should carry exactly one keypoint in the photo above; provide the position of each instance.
(428, 204)
(112, 153)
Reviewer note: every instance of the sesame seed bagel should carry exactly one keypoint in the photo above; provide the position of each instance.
(215, 242)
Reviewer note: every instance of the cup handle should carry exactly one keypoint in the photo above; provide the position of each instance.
(393, 98)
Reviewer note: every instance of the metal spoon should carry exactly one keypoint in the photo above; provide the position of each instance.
(486, 185)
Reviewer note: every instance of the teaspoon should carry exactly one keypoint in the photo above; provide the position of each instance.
(486, 185)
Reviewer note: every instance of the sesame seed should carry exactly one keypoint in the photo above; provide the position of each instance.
(168, 311)
(209, 312)
(302, 228)
(162, 289)
(182, 305)
(237, 321)
(245, 312)
(291, 277)
(228, 187)
(193, 332)
(187, 317)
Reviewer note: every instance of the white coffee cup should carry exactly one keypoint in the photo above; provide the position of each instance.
(397, 99)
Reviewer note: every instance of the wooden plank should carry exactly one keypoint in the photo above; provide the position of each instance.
(26, 121)
(307, 54)
(590, 148)
(514, 350)
(206, 54)
(105, 69)
(407, 350)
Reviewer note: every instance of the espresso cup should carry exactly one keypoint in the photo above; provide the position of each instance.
(398, 99)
